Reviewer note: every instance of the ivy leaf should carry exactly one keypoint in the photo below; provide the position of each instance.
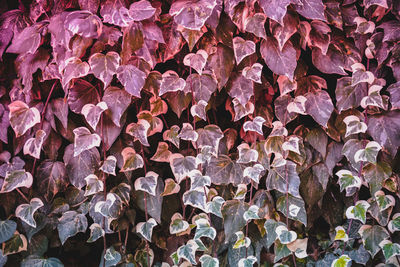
(254, 172)
(253, 73)
(393, 89)
(171, 82)
(115, 12)
(26, 211)
(26, 41)
(247, 262)
(16, 244)
(296, 206)
(246, 154)
(80, 94)
(132, 160)
(170, 187)
(208, 261)
(188, 251)
(51, 178)
(109, 165)
(241, 240)
(172, 135)
(360, 75)
(369, 153)
(311, 9)
(282, 32)
(232, 213)
(145, 229)
(141, 10)
(292, 144)
(132, 78)
(203, 229)
(333, 62)
(162, 154)
(394, 224)
(74, 68)
(241, 191)
(187, 133)
(22, 118)
(354, 126)
(195, 198)
(347, 180)
(358, 211)
(181, 166)
(111, 257)
(299, 247)
(7, 230)
(372, 236)
(156, 124)
(222, 63)
(342, 261)
(111, 207)
(104, 66)
(215, 206)
(255, 24)
(284, 235)
(384, 201)
(389, 249)
(373, 98)
(178, 224)
(349, 96)
(96, 232)
(71, 223)
(148, 183)
(270, 227)
(281, 62)
(34, 260)
(319, 105)
(202, 86)
(15, 179)
(117, 101)
(93, 185)
(84, 140)
(139, 131)
(251, 213)
(33, 146)
(275, 10)
(198, 181)
(84, 23)
(223, 170)
(242, 89)
(93, 113)
(199, 110)
(242, 48)
(255, 125)
(196, 61)
(278, 176)
(192, 14)
(210, 136)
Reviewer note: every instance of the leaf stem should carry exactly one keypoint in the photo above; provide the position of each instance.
(22, 195)
(145, 205)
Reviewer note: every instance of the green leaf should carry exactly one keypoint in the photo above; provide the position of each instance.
(384, 201)
(342, 261)
(241, 240)
(369, 153)
(96, 232)
(372, 236)
(7, 229)
(16, 179)
(376, 174)
(26, 211)
(188, 251)
(270, 227)
(347, 180)
(208, 261)
(215, 206)
(203, 229)
(281, 251)
(232, 213)
(70, 224)
(389, 249)
(394, 224)
(358, 211)
(247, 262)
(145, 229)
(16, 244)
(341, 234)
(284, 235)
(297, 209)
(178, 224)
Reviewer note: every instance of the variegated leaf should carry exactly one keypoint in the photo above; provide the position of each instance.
(93, 113)
(84, 140)
(33, 145)
(148, 183)
(145, 229)
(26, 211)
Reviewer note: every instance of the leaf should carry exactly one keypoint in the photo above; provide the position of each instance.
(278, 176)
(333, 62)
(253, 73)
(201, 86)
(208, 261)
(270, 228)
(385, 129)
(94, 185)
(311, 9)
(74, 68)
(198, 180)
(22, 118)
(80, 94)
(148, 183)
(275, 10)
(232, 212)
(375, 174)
(15, 179)
(139, 131)
(181, 166)
(145, 229)
(281, 62)
(284, 235)
(171, 82)
(299, 247)
(154, 203)
(348, 181)
(7, 229)
(242, 48)
(191, 14)
(196, 61)
(96, 232)
(188, 251)
(117, 101)
(199, 110)
(255, 24)
(372, 236)
(296, 206)
(283, 113)
(203, 229)
(246, 154)
(111, 207)
(93, 113)
(254, 172)
(84, 23)
(33, 145)
(283, 31)
(373, 98)
(132, 160)
(141, 10)
(158, 106)
(104, 66)
(241, 240)
(70, 224)
(115, 12)
(292, 144)
(251, 213)
(369, 153)
(393, 89)
(223, 170)
(162, 154)
(132, 78)
(342, 261)
(394, 224)
(242, 89)
(84, 140)
(215, 206)
(247, 262)
(255, 125)
(111, 257)
(358, 211)
(81, 166)
(170, 187)
(109, 165)
(222, 63)
(187, 133)
(384, 201)
(195, 198)
(26, 211)
(16, 244)
(319, 105)
(178, 224)
(34, 260)
(354, 126)
(389, 249)
(28, 40)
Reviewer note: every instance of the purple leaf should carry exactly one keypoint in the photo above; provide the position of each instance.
(319, 105)
(80, 94)
(311, 9)
(275, 9)
(84, 23)
(192, 14)
(141, 10)
(132, 78)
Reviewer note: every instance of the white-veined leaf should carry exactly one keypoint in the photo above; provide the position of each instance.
(188, 251)
(251, 213)
(198, 180)
(104, 66)
(241, 240)
(204, 229)
(187, 133)
(96, 232)
(354, 125)
(215, 206)
(145, 229)
(341, 234)
(178, 224)
(253, 73)
(254, 172)
(369, 153)
(170, 187)
(195, 198)
(242, 48)
(111, 207)
(196, 61)
(181, 166)
(255, 125)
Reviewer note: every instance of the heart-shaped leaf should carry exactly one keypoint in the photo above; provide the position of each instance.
(171, 135)
(111, 207)
(96, 232)
(93, 113)
(240, 110)
(196, 61)
(115, 12)
(132, 160)
(195, 198)
(354, 125)
(384, 201)
(241, 240)
(178, 224)
(284, 235)
(251, 213)
(319, 105)
(298, 105)
(201, 86)
(16, 244)
(7, 229)
(145, 229)
(71, 223)
(246, 154)
(199, 110)
(389, 249)
(347, 180)
(109, 165)
(208, 261)
(341, 234)
(215, 206)
(181, 166)
(141, 10)
(15, 179)
(132, 78)
(241, 191)
(253, 73)
(372, 236)
(254, 172)
(93, 185)
(204, 229)
(171, 82)
(104, 66)
(192, 14)
(369, 153)
(33, 146)
(162, 154)
(255, 25)
(358, 211)
(255, 125)
(292, 144)
(22, 118)
(342, 261)
(26, 211)
(117, 101)
(139, 131)
(187, 133)
(275, 10)
(84, 23)
(247, 262)
(84, 140)
(148, 183)
(242, 48)
(360, 75)
(74, 68)
(198, 180)
(170, 187)
(188, 251)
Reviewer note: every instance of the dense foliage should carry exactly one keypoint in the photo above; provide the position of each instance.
(199, 132)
